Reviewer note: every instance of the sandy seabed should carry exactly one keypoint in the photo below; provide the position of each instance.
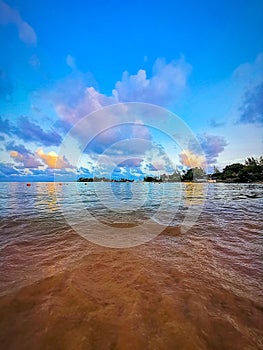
(175, 292)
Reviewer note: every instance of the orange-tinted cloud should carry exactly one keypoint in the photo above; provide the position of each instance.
(53, 160)
(192, 160)
(14, 154)
(23, 156)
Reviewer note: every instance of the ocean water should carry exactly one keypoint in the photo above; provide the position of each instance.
(131, 266)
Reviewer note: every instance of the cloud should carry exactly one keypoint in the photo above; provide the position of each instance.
(74, 99)
(252, 107)
(62, 175)
(84, 172)
(71, 62)
(22, 155)
(123, 155)
(205, 152)
(29, 131)
(192, 160)
(53, 160)
(25, 31)
(215, 124)
(131, 163)
(79, 104)
(247, 78)
(156, 159)
(163, 88)
(249, 71)
(5, 126)
(132, 157)
(212, 146)
(125, 139)
(7, 170)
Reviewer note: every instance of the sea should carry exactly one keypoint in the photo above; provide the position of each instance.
(131, 266)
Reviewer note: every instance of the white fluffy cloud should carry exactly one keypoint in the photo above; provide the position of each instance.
(163, 88)
(75, 101)
(91, 101)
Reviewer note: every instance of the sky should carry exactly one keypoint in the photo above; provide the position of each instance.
(128, 88)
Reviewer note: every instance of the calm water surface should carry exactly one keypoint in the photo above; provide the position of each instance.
(201, 289)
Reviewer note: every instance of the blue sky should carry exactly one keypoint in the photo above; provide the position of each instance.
(60, 61)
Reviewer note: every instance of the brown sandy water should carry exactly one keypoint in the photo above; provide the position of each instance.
(197, 290)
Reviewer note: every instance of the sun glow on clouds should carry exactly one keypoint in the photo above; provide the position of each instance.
(22, 156)
(14, 154)
(192, 160)
(53, 160)
(163, 87)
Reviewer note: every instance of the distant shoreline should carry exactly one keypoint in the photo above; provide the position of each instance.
(135, 181)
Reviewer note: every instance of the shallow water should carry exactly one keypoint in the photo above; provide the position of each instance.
(200, 289)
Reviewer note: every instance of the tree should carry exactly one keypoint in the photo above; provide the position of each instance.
(194, 174)
(151, 179)
(251, 171)
(216, 170)
(231, 172)
(251, 162)
(175, 177)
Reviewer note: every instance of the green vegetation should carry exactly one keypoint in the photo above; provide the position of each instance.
(85, 179)
(194, 174)
(152, 179)
(251, 171)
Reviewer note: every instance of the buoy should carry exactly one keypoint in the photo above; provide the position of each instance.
(28, 184)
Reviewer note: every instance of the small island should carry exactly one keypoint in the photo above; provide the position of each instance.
(103, 179)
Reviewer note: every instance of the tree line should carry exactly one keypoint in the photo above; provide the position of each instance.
(251, 171)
